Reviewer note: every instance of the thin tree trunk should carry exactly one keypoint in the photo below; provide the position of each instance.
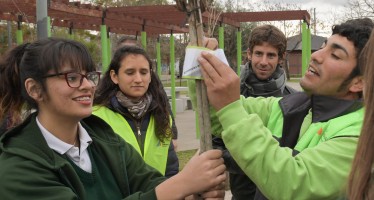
(196, 39)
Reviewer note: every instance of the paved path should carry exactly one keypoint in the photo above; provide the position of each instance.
(186, 125)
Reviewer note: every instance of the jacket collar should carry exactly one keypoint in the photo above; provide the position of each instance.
(323, 108)
(297, 105)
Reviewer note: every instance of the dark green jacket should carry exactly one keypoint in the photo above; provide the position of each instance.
(29, 169)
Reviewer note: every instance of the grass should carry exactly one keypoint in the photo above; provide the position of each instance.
(184, 157)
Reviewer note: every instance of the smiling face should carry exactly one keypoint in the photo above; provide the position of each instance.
(264, 59)
(63, 102)
(133, 76)
(330, 67)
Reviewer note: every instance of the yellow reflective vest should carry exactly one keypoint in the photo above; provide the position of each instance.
(155, 151)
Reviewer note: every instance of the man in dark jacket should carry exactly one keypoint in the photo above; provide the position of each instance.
(261, 76)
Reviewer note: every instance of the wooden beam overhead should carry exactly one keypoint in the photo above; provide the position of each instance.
(67, 9)
(155, 19)
(269, 16)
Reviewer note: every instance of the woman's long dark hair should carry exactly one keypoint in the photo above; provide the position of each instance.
(107, 89)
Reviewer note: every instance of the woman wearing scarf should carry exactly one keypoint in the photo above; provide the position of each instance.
(130, 99)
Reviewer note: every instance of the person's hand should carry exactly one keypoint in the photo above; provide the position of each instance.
(223, 84)
(199, 175)
(204, 171)
(210, 43)
(215, 193)
(193, 197)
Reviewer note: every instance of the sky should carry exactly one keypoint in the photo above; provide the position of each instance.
(327, 11)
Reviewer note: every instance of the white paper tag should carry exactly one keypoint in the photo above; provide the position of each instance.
(191, 67)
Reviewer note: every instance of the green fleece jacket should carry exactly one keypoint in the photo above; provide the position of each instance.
(325, 149)
(29, 169)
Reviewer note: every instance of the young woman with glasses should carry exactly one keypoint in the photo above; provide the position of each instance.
(61, 151)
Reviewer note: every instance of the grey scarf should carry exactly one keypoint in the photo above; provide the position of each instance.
(137, 108)
(251, 86)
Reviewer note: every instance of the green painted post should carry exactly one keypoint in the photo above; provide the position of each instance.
(239, 51)
(104, 46)
(19, 33)
(197, 123)
(144, 40)
(172, 74)
(49, 26)
(19, 36)
(304, 42)
(109, 52)
(158, 52)
(309, 52)
(221, 41)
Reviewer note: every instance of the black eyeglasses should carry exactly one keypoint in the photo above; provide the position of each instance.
(75, 79)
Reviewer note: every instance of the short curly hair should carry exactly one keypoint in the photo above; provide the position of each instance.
(270, 34)
(358, 32)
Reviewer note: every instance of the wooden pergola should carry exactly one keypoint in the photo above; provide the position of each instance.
(155, 20)
(144, 20)
(131, 20)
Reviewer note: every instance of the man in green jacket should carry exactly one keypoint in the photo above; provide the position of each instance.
(262, 76)
(300, 146)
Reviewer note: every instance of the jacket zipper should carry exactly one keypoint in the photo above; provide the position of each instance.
(139, 136)
(138, 124)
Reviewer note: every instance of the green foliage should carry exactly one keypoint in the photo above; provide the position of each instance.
(184, 157)
(28, 31)
(90, 39)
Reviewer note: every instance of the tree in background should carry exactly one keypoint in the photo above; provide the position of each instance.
(289, 28)
(29, 34)
(90, 39)
(360, 9)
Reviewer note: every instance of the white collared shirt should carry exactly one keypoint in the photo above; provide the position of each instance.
(78, 155)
